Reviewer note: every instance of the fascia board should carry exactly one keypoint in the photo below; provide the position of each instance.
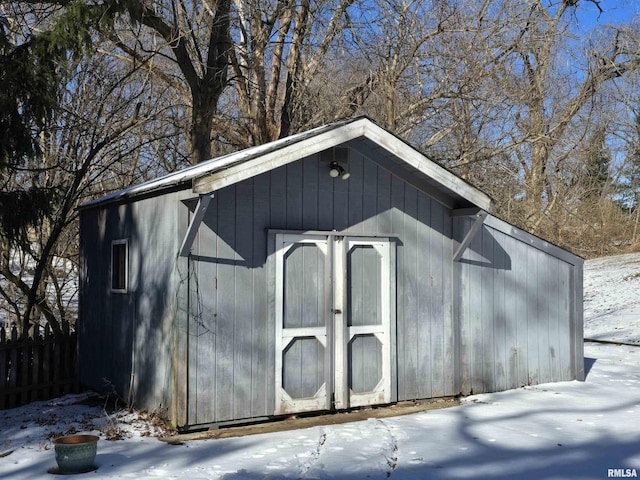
(277, 158)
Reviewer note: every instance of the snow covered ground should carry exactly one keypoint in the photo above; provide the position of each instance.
(570, 430)
(612, 298)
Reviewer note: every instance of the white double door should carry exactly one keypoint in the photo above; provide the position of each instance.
(333, 322)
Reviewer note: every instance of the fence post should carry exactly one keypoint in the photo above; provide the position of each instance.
(4, 367)
(46, 364)
(13, 367)
(37, 365)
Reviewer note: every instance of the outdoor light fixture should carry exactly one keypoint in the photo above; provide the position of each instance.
(337, 170)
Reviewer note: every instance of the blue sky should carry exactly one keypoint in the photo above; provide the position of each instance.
(614, 12)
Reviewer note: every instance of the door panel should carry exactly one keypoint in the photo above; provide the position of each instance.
(304, 285)
(365, 365)
(333, 311)
(363, 286)
(368, 323)
(302, 266)
(303, 367)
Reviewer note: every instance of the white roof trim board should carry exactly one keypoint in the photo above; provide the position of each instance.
(212, 175)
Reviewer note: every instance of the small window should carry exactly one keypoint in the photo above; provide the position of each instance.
(119, 266)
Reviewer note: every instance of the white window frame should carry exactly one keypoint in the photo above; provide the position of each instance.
(124, 242)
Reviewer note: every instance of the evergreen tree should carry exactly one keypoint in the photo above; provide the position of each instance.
(33, 70)
(35, 65)
(597, 164)
(29, 85)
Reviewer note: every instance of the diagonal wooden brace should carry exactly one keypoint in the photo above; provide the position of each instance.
(201, 210)
(480, 216)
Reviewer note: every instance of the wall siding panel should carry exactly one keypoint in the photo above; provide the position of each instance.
(383, 198)
(299, 197)
(369, 196)
(410, 355)
(397, 226)
(515, 315)
(521, 308)
(533, 317)
(477, 381)
(243, 323)
(425, 314)
(500, 321)
(511, 321)
(225, 288)
(203, 319)
(516, 305)
(440, 321)
(261, 329)
(127, 346)
(356, 197)
(310, 204)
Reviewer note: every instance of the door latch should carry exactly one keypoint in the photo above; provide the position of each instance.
(337, 311)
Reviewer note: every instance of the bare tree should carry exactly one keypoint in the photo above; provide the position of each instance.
(90, 146)
(547, 82)
(242, 68)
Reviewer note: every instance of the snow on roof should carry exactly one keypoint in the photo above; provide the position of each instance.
(222, 171)
(209, 166)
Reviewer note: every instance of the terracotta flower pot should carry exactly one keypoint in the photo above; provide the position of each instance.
(76, 453)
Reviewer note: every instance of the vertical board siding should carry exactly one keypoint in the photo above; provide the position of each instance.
(501, 323)
(234, 350)
(409, 278)
(365, 365)
(510, 319)
(304, 287)
(427, 323)
(369, 196)
(533, 316)
(303, 367)
(520, 294)
(564, 329)
(473, 334)
(444, 339)
(225, 290)
(397, 226)
(243, 319)
(261, 389)
(487, 291)
(364, 280)
(515, 315)
(359, 204)
(310, 204)
(383, 197)
(340, 201)
(518, 307)
(126, 340)
(203, 308)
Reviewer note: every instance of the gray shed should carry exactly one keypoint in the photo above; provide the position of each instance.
(333, 269)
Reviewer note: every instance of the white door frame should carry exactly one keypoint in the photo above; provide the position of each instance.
(382, 393)
(285, 336)
(335, 335)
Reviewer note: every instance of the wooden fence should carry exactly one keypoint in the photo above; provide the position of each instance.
(36, 368)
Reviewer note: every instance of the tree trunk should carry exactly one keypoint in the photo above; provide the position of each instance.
(534, 183)
(206, 91)
(201, 126)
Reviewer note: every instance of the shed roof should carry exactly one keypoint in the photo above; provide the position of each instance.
(362, 134)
